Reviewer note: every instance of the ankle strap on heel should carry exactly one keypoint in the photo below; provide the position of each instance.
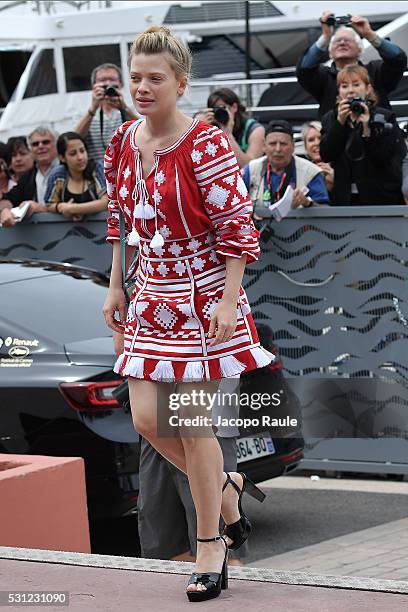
(228, 481)
(218, 537)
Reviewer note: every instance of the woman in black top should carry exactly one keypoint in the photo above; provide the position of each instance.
(245, 134)
(363, 143)
(77, 186)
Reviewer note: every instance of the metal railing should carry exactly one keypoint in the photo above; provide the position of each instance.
(258, 86)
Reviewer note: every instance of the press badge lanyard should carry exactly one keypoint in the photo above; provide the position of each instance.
(267, 193)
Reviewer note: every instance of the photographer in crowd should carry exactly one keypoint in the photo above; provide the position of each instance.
(98, 127)
(245, 134)
(32, 185)
(363, 143)
(267, 177)
(344, 46)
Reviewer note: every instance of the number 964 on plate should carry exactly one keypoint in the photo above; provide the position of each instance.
(253, 447)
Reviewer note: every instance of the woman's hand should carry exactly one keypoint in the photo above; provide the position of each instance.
(229, 128)
(328, 172)
(343, 111)
(115, 302)
(208, 115)
(223, 322)
(67, 209)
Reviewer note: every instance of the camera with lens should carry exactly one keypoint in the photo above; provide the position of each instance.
(343, 20)
(221, 115)
(378, 124)
(357, 105)
(110, 91)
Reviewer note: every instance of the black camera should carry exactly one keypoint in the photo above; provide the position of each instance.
(343, 20)
(378, 123)
(221, 114)
(357, 105)
(110, 91)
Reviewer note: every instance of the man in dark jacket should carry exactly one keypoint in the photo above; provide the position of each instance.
(345, 46)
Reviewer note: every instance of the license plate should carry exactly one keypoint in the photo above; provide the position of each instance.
(253, 447)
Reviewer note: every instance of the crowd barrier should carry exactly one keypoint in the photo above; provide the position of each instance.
(332, 284)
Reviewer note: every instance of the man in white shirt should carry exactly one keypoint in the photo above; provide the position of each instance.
(107, 110)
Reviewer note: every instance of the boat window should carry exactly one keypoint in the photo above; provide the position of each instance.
(80, 61)
(12, 65)
(43, 78)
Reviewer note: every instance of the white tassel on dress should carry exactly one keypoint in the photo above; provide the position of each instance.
(144, 211)
(133, 238)
(157, 240)
(230, 366)
(134, 367)
(163, 371)
(193, 372)
(148, 211)
(138, 212)
(262, 356)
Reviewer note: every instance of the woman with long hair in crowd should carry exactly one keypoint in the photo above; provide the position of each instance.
(176, 184)
(245, 134)
(363, 143)
(21, 158)
(76, 187)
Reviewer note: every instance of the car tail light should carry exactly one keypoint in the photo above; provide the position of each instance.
(91, 396)
(293, 456)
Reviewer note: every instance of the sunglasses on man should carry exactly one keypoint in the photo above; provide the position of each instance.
(37, 143)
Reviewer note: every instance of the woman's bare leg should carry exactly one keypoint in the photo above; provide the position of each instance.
(204, 463)
(144, 399)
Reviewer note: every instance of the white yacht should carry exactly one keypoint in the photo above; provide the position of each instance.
(48, 50)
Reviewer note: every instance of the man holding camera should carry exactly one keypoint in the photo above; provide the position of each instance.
(107, 110)
(341, 40)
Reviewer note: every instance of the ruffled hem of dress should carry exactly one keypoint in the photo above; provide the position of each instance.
(166, 370)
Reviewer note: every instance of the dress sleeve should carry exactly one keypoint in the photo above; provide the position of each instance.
(225, 195)
(111, 165)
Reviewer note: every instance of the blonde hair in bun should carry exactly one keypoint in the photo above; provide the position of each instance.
(159, 39)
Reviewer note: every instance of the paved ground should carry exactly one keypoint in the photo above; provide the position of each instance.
(108, 588)
(297, 512)
(377, 552)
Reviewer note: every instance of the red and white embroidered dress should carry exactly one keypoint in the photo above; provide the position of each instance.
(195, 205)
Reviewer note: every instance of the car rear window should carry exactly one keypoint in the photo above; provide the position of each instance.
(59, 307)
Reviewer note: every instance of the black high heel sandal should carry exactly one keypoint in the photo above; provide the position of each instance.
(240, 530)
(212, 581)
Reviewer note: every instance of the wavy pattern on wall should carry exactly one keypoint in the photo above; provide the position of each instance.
(80, 243)
(342, 310)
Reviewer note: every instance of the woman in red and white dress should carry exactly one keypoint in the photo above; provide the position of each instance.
(187, 210)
